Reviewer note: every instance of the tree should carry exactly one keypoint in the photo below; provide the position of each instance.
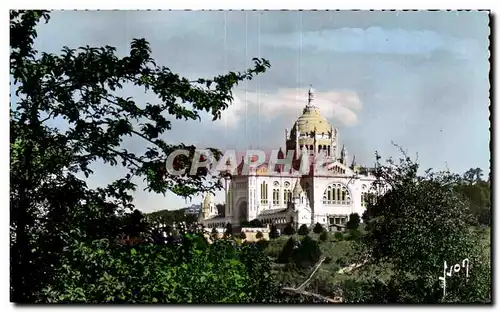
(303, 230)
(307, 253)
(323, 236)
(121, 280)
(287, 251)
(473, 175)
(289, 230)
(478, 195)
(354, 234)
(259, 235)
(273, 233)
(256, 223)
(51, 207)
(416, 223)
(318, 228)
(353, 222)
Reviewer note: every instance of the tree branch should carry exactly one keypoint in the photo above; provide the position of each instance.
(300, 290)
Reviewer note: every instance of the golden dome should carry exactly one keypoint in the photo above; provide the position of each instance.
(311, 120)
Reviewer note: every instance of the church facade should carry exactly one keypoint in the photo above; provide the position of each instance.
(332, 187)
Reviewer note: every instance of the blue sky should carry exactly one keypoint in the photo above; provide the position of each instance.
(419, 79)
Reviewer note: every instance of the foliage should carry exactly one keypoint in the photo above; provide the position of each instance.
(353, 222)
(289, 229)
(52, 208)
(273, 233)
(353, 234)
(473, 175)
(262, 244)
(318, 228)
(338, 236)
(255, 223)
(303, 230)
(478, 195)
(259, 235)
(307, 253)
(287, 251)
(323, 236)
(243, 236)
(416, 223)
(169, 217)
(74, 244)
(104, 272)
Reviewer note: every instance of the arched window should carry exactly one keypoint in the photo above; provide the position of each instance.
(276, 197)
(363, 199)
(287, 196)
(263, 193)
(336, 194)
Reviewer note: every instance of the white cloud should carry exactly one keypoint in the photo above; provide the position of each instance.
(340, 106)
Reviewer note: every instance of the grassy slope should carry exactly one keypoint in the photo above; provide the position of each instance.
(342, 254)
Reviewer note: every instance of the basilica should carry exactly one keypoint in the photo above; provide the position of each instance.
(281, 196)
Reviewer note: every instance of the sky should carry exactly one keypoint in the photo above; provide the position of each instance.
(419, 79)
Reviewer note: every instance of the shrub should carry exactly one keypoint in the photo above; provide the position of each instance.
(338, 236)
(303, 230)
(353, 222)
(256, 223)
(274, 232)
(307, 254)
(289, 230)
(287, 251)
(354, 234)
(259, 235)
(318, 228)
(323, 236)
(103, 272)
(243, 236)
(262, 244)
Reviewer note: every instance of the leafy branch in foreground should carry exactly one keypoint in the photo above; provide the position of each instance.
(86, 92)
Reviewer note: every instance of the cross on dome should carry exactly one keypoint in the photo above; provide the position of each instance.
(310, 96)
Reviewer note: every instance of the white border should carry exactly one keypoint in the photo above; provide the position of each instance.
(257, 4)
(192, 4)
